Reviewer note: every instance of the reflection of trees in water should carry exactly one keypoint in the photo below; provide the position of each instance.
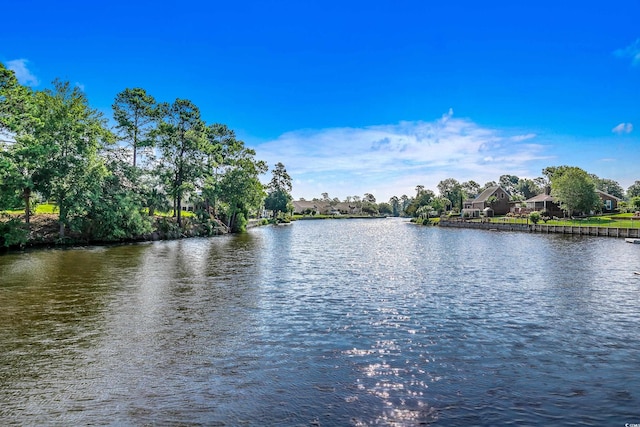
(50, 305)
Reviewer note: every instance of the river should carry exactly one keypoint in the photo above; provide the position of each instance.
(324, 323)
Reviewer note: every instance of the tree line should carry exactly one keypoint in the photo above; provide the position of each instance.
(573, 188)
(108, 183)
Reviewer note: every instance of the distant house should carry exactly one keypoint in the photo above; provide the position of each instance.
(544, 202)
(609, 202)
(309, 207)
(499, 205)
(315, 207)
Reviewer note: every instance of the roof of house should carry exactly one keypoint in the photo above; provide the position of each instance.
(602, 193)
(540, 198)
(321, 205)
(488, 192)
(548, 198)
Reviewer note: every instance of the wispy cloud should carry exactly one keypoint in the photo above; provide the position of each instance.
(393, 159)
(24, 76)
(632, 51)
(623, 128)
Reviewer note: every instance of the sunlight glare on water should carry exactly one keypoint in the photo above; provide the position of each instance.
(359, 322)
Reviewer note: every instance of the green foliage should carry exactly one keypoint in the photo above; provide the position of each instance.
(527, 188)
(452, 191)
(535, 217)
(116, 210)
(73, 134)
(633, 190)
(277, 201)
(181, 140)
(240, 224)
(60, 149)
(385, 208)
(135, 113)
(574, 189)
(608, 186)
(509, 183)
(12, 233)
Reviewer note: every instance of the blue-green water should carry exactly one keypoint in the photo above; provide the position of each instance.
(358, 322)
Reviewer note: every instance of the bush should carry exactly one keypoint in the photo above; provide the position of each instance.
(535, 217)
(426, 221)
(240, 225)
(12, 233)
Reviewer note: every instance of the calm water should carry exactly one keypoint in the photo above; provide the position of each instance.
(360, 322)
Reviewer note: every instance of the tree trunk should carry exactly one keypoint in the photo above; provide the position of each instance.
(62, 220)
(179, 211)
(26, 194)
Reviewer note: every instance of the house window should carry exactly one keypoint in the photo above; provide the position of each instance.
(608, 204)
(502, 195)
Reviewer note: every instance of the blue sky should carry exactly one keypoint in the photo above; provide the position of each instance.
(357, 96)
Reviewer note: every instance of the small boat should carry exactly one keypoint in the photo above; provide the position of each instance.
(628, 240)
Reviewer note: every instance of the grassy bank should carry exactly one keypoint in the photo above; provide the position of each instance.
(615, 221)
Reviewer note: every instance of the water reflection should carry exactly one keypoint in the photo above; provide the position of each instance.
(323, 323)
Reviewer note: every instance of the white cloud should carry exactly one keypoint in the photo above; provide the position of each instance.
(623, 128)
(391, 160)
(632, 51)
(24, 76)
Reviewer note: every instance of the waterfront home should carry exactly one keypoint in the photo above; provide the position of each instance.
(495, 198)
(315, 207)
(544, 202)
(609, 202)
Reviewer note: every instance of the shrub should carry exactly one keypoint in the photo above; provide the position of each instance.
(12, 233)
(535, 217)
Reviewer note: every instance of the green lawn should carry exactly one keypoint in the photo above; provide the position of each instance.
(44, 208)
(51, 208)
(615, 221)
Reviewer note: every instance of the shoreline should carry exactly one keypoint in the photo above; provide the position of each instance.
(43, 234)
(581, 230)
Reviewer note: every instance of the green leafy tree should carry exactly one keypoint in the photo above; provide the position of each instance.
(181, 138)
(405, 202)
(385, 208)
(394, 201)
(452, 190)
(509, 183)
(240, 189)
(527, 188)
(116, 210)
(279, 188)
(440, 204)
(20, 153)
(73, 133)
(608, 186)
(277, 201)
(470, 188)
(136, 114)
(633, 190)
(16, 105)
(575, 191)
(221, 149)
(423, 198)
